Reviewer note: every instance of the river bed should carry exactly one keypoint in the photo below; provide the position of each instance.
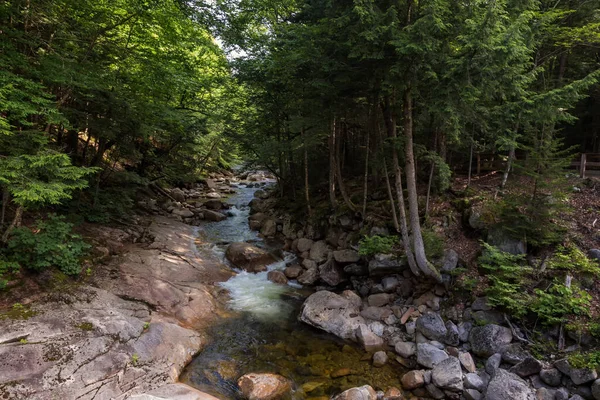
(262, 332)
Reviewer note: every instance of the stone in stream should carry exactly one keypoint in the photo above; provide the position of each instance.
(319, 251)
(369, 340)
(380, 358)
(247, 257)
(214, 204)
(264, 386)
(214, 216)
(309, 276)
(293, 271)
(412, 380)
(332, 313)
(304, 244)
(331, 273)
(358, 393)
(277, 277)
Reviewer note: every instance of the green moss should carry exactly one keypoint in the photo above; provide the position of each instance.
(85, 326)
(18, 311)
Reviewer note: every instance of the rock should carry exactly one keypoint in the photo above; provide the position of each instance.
(596, 389)
(269, 227)
(173, 391)
(389, 284)
(488, 317)
(385, 264)
(514, 353)
(508, 386)
(583, 375)
(368, 339)
(319, 251)
(214, 216)
(380, 358)
(341, 372)
(214, 204)
(503, 241)
(594, 254)
(376, 313)
(293, 271)
(563, 366)
(358, 393)
(434, 392)
(248, 257)
(561, 394)
(432, 326)
(178, 194)
(353, 298)
(309, 264)
(493, 363)
(428, 355)
(210, 183)
(331, 273)
(406, 349)
(474, 218)
(453, 336)
(213, 195)
(480, 304)
(447, 374)
(393, 394)
(489, 339)
(304, 245)
(472, 394)
(467, 362)
(332, 313)
(277, 277)
(545, 394)
(527, 367)
(346, 256)
(308, 277)
(412, 380)
(378, 300)
(450, 261)
(464, 329)
(356, 270)
(264, 386)
(182, 212)
(551, 377)
(474, 381)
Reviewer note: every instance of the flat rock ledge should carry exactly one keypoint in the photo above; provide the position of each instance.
(126, 335)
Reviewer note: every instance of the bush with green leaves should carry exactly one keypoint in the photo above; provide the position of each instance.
(7, 268)
(51, 243)
(570, 258)
(552, 306)
(371, 245)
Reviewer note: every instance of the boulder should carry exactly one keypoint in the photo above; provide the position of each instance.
(356, 270)
(331, 273)
(214, 216)
(596, 389)
(358, 393)
(214, 204)
(527, 367)
(378, 300)
(551, 377)
(304, 245)
(210, 183)
(583, 375)
(247, 257)
(332, 313)
(385, 264)
(503, 241)
(309, 276)
(406, 349)
(489, 339)
(412, 380)
(264, 386)
(474, 381)
(429, 355)
(269, 227)
(508, 386)
(319, 251)
(293, 271)
(369, 340)
(380, 358)
(182, 212)
(376, 313)
(472, 394)
(389, 284)
(432, 327)
(467, 361)
(450, 261)
(346, 256)
(277, 277)
(493, 363)
(447, 374)
(178, 194)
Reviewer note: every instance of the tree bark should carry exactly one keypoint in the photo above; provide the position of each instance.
(365, 186)
(5, 200)
(390, 122)
(16, 222)
(306, 188)
(338, 169)
(411, 186)
(332, 166)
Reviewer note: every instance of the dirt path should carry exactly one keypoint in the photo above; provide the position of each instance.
(128, 334)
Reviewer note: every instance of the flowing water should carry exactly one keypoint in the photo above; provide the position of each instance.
(263, 333)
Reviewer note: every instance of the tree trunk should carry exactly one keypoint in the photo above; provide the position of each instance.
(338, 169)
(365, 187)
(16, 222)
(391, 196)
(429, 188)
(332, 167)
(411, 185)
(306, 188)
(5, 200)
(390, 122)
(471, 157)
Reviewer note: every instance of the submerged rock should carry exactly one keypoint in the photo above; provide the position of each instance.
(358, 393)
(247, 257)
(264, 386)
(332, 313)
(277, 277)
(215, 216)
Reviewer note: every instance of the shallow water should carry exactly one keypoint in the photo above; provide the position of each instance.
(263, 334)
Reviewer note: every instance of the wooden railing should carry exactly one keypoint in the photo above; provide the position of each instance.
(586, 160)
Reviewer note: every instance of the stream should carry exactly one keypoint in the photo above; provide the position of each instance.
(262, 332)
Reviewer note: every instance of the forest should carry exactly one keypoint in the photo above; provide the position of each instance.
(412, 115)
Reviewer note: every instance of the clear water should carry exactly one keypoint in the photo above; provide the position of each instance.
(262, 332)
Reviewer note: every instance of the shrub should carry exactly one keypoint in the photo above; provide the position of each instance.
(51, 244)
(559, 301)
(370, 245)
(570, 258)
(434, 244)
(7, 268)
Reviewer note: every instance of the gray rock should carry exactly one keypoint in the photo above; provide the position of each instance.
(434, 392)
(304, 244)
(545, 394)
(480, 304)
(378, 300)
(500, 239)
(247, 257)
(346, 256)
(563, 366)
(583, 375)
(309, 276)
(332, 313)
(464, 329)
(293, 271)
(474, 381)
(178, 194)
(508, 386)
(319, 251)
(472, 394)
(447, 374)
(467, 361)
(214, 216)
(576, 397)
(380, 358)
(514, 353)
(488, 317)
(356, 270)
(453, 336)
(385, 264)
(493, 363)
(269, 227)
(432, 326)
(358, 393)
(376, 313)
(450, 261)
(331, 273)
(595, 254)
(551, 377)
(561, 394)
(405, 349)
(489, 339)
(390, 283)
(596, 389)
(182, 212)
(527, 367)
(368, 339)
(428, 355)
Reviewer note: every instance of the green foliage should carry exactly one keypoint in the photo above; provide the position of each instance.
(371, 245)
(135, 359)
(585, 360)
(50, 244)
(570, 258)
(558, 302)
(7, 269)
(434, 244)
(508, 277)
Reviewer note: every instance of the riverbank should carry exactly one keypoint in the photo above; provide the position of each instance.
(127, 333)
